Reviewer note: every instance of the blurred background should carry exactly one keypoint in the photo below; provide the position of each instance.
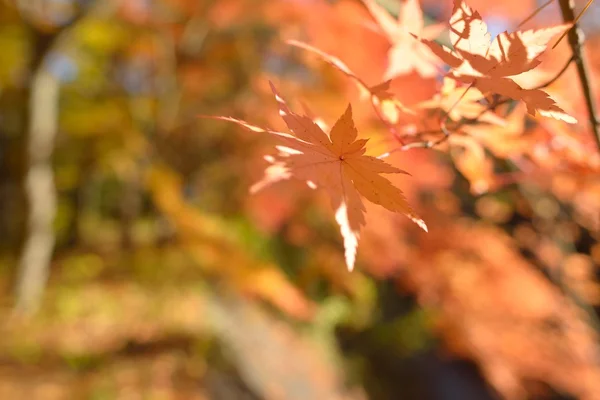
(134, 264)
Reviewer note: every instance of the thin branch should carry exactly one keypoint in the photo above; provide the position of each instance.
(575, 41)
(536, 12)
(558, 75)
(427, 144)
(589, 3)
(387, 123)
(466, 121)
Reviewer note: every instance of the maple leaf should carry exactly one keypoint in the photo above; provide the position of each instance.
(337, 163)
(489, 65)
(406, 54)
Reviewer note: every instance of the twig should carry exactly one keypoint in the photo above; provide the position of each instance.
(427, 144)
(536, 12)
(575, 41)
(558, 75)
(589, 3)
(491, 107)
(387, 123)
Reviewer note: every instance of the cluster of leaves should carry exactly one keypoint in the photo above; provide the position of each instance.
(336, 161)
(490, 113)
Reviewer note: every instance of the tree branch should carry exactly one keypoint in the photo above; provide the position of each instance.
(575, 37)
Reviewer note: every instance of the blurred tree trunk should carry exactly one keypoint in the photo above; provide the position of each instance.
(37, 180)
(39, 189)
(41, 130)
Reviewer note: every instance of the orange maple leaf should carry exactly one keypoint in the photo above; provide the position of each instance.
(335, 162)
(406, 54)
(489, 65)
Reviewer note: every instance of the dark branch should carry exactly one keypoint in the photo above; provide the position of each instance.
(575, 41)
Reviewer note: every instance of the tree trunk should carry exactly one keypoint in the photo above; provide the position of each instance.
(40, 192)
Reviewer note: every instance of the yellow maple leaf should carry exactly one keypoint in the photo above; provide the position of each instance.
(337, 163)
